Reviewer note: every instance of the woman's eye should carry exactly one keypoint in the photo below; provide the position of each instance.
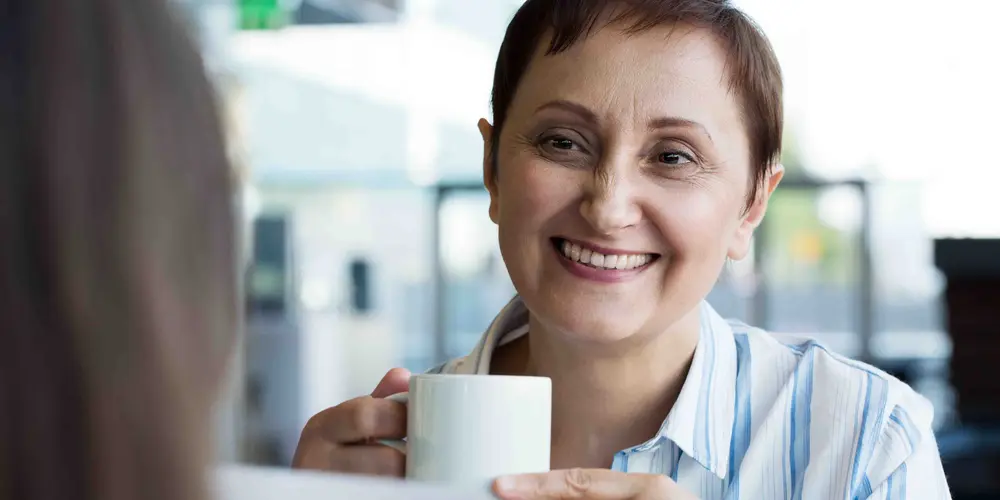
(562, 143)
(673, 158)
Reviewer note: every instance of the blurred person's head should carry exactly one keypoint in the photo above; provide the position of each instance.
(117, 276)
(648, 130)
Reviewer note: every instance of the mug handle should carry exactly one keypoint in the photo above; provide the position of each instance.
(399, 444)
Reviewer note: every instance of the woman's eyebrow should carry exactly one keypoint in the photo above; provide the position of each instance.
(589, 116)
(676, 122)
(575, 108)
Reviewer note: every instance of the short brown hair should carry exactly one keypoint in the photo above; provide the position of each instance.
(754, 73)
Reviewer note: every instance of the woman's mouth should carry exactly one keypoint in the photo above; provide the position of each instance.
(586, 256)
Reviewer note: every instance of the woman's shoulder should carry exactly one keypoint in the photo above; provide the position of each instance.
(825, 369)
(862, 409)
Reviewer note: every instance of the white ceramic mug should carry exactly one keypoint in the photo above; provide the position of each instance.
(469, 429)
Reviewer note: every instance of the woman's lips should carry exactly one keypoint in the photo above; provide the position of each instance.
(593, 265)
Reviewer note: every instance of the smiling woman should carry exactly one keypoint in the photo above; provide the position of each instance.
(661, 164)
(633, 151)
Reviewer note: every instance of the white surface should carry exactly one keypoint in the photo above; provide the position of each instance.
(235, 482)
(469, 429)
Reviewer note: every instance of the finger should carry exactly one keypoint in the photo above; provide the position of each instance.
(312, 453)
(594, 484)
(375, 460)
(360, 419)
(395, 381)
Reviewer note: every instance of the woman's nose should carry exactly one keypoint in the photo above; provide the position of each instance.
(609, 204)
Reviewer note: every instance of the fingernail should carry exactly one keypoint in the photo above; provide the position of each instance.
(507, 484)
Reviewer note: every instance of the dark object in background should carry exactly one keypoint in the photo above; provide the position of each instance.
(268, 283)
(972, 296)
(361, 301)
(971, 453)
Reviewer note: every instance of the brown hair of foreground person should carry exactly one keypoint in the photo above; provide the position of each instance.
(755, 75)
(117, 279)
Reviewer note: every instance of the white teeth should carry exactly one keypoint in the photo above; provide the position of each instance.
(597, 259)
(583, 255)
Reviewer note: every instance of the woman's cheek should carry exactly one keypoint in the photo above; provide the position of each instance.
(535, 189)
(688, 219)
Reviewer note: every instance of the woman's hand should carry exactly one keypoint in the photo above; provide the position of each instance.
(589, 484)
(341, 439)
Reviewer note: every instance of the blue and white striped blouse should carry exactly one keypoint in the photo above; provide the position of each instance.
(760, 417)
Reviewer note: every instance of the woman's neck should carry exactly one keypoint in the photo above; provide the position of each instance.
(605, 398)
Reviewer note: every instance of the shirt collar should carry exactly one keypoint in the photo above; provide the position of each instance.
(509, 324)
(701, 421)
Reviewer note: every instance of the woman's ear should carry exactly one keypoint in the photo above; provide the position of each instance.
(754, 215)
(489, 170)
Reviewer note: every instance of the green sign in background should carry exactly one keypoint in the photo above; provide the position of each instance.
(262, 15)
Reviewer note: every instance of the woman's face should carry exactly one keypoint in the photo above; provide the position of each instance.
(623, 171)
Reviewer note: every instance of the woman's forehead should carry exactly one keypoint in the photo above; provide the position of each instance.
(675, 70)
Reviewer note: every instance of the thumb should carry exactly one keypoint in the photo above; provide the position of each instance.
(395, 381)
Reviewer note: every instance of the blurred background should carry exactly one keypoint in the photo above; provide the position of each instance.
(369, 246)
